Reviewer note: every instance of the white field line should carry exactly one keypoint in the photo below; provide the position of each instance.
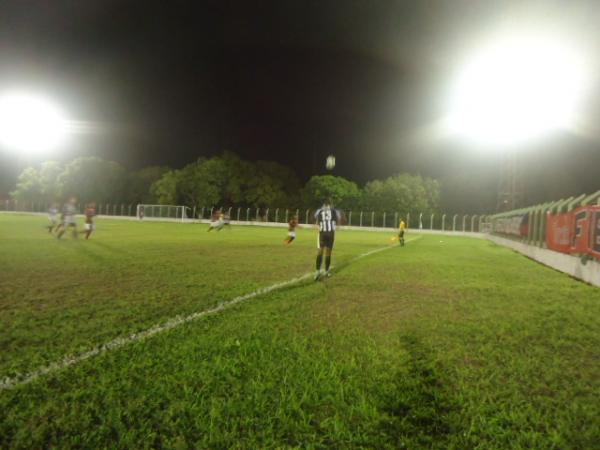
(71, 360)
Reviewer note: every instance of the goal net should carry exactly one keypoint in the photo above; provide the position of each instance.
(162, 212)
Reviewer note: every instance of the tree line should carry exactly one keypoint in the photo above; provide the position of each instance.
(223, 180)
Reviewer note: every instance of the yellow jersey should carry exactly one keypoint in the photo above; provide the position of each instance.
(402, 226)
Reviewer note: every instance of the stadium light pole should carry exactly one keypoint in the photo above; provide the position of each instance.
(515, 89)
(510, 186)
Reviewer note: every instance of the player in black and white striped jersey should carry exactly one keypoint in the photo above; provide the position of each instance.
(326, 219)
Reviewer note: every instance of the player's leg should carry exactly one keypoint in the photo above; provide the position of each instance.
(73, 226)
(327, 260)
(88, 227)
(60, 230)
(291, 236)
(328, 250)
(318, 264)
(319, 261)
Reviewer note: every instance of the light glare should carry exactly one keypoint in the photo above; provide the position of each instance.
(30, 124)
(516, 90)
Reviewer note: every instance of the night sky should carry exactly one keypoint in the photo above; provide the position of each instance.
(290, 81)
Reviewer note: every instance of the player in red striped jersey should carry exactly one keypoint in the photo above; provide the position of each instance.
(292, 224)
(89, 226)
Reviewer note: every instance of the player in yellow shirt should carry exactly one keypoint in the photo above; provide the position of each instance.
(401, 229)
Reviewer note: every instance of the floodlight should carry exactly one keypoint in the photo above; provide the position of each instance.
(517, 89)
(30, 124)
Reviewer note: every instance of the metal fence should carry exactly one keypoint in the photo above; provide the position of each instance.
(358, 218)
(114, 209)
(536, 217)
(364, 218)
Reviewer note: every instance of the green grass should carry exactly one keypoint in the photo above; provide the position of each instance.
(447, 343)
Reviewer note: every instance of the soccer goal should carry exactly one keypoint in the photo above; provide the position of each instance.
(162, 212)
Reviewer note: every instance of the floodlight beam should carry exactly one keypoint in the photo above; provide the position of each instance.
(31, 124)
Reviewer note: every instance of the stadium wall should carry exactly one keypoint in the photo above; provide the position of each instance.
(588, 271)
(564, 235)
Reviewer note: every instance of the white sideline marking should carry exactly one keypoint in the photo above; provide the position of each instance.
(71, 360)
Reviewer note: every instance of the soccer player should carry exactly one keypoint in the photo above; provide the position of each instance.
(326, 219)
(90, 212)
(68, 218)
(292, 224)
(53, 217)
(401, 229)
(226, 220)
(217, 221)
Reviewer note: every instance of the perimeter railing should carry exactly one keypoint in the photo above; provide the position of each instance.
(356, 217)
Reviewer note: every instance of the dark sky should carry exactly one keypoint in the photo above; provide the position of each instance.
(292, 81)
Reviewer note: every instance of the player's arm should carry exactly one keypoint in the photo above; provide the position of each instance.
(317, 216)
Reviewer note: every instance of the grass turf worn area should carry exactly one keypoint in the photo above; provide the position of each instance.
(448, 342)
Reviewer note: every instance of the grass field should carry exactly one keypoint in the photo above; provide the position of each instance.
(448, 342)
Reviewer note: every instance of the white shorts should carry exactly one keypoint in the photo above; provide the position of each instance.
(292, 234)
(89, 227)
(69, 220)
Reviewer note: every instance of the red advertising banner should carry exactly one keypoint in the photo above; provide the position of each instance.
(558, 232)
(577, 231)
(595, 233)
(580, 231)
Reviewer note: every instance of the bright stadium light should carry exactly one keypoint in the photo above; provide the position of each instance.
(31, 124)
(517, 89)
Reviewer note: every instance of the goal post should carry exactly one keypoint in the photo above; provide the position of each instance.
(162, 212)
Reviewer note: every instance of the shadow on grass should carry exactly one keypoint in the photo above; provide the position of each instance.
(416, 405)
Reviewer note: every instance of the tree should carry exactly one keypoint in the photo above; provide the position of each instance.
(29, 188)
(343, 193)
(227, 180)
(92, 178)
(139, 183)
(49, 180)
(237, 175)
(201, 183)
(272, 185)
(164, 190)
(402, 193)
